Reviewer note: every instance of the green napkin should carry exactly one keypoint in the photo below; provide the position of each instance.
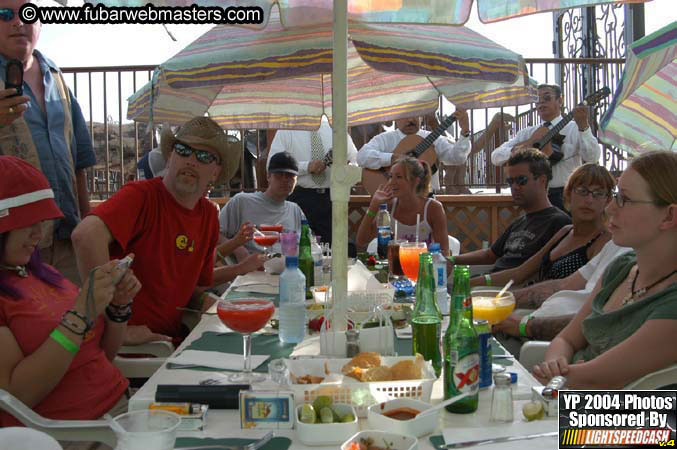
(232, 295)
(437, 441)
(276, 443)
(262, 344)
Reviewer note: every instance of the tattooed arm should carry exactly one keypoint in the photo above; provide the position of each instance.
(532, 297)
(546, 328)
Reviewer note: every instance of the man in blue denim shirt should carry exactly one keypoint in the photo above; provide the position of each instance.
(45, 127)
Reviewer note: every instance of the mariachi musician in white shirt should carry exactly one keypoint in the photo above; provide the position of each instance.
(574, 145)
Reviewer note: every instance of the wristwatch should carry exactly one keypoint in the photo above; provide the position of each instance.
(466, 134)
(523, 325)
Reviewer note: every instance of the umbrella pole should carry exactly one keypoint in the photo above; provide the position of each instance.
(340, 176)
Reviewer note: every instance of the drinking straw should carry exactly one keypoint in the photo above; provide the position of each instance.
(395, 235)
(418, 222)
(502, 291)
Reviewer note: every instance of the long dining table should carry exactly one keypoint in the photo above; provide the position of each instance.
(225, 423)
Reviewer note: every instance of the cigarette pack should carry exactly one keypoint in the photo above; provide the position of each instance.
(267, 409)
(193, 415)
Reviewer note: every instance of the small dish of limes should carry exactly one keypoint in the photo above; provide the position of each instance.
(324, 422)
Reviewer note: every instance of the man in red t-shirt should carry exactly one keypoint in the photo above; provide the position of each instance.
(168, 225)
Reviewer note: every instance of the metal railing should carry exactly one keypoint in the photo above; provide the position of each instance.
(103, 91)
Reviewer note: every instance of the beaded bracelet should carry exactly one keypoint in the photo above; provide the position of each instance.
(119, 315)
(63, 341)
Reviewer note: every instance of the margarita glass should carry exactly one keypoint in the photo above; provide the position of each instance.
(266, 227)
(409, 258)
(245, 316)
(486, 306)
(266, 239)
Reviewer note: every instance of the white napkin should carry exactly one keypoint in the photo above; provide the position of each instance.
(260, 282)
(216, 360)
(491, 430)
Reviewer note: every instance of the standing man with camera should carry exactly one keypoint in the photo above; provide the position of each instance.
(578, 144)
(46, 128)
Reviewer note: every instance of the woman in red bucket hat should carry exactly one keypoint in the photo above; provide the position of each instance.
(57, 341)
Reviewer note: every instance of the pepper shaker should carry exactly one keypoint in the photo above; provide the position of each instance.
(352, 343)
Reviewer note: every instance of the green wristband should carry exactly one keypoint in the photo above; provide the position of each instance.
(487, 279)
(371, 213)
(523, 325)
(63, 341)
(220, 257)
(451, 259)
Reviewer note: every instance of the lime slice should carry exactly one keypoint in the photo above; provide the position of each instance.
(308, 414)
(533, 410)
(322, 401)
(348, 418)
(326, 415)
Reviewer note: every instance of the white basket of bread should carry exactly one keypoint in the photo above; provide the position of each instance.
(366, 379)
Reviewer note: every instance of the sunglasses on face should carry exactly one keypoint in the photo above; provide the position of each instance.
(203, 156)
(7, 14)
(519, 180)
(598, 194)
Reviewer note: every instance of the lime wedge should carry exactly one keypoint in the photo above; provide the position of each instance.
(308, 414)
(326, 415)
(323, 401)
(533, 410)
(348, 418)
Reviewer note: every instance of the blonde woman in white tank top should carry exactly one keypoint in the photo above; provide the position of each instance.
(406, 194)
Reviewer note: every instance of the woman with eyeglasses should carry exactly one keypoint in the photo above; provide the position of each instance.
(407, 195)
(587, 194)
(625, 329)
(57, 340)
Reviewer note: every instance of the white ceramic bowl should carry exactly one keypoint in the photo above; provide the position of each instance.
(327, 433)
(391, 441)
(274, 265)
(415, 427)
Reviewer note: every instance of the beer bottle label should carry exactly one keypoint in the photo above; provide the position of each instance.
(453, 357)
(466, 373)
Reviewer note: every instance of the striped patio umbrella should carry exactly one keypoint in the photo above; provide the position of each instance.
(643, 113)
(445, 12)
(280, 78)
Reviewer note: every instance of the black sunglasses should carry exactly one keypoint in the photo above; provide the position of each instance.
(7, 14)
(519, 180)
(203, 156)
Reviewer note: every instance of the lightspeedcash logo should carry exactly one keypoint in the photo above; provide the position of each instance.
(148, 14)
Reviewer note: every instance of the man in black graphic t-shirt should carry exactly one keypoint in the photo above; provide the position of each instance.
(527, 172)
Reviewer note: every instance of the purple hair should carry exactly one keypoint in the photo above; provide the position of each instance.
(35, 266)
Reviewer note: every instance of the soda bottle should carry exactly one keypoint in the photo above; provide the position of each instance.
(384, 234)
(306, 263)
(461, 350)
(440, 268)
(292, 302)
(426, 319)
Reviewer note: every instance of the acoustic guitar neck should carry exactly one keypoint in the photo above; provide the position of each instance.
(428, 141)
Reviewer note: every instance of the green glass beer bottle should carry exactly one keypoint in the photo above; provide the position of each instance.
(461, 351)
(426, 320)
(306, 263)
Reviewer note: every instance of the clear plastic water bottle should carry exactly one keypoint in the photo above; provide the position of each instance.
(383, 234)
(316, 251)
(440, 268)
(292, 302)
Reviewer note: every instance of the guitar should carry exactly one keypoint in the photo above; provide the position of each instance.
(549, 141)
(412, 145)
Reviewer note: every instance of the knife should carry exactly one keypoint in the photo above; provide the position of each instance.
(498, 440)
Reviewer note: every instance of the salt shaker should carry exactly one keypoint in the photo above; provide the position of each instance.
(279, 373)
(501, 399)
(352, 343)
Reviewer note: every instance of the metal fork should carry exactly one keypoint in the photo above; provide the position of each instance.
(253, 446)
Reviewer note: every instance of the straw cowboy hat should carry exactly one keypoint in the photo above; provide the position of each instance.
(204, 131)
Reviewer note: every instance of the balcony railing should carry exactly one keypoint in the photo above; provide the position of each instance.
(119, 144)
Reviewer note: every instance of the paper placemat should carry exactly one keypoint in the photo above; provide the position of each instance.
(276, 443)
(215, 359)
(260, 282)
(262, 344)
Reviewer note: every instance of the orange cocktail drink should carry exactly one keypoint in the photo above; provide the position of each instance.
(409, 258)
(486, 306)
